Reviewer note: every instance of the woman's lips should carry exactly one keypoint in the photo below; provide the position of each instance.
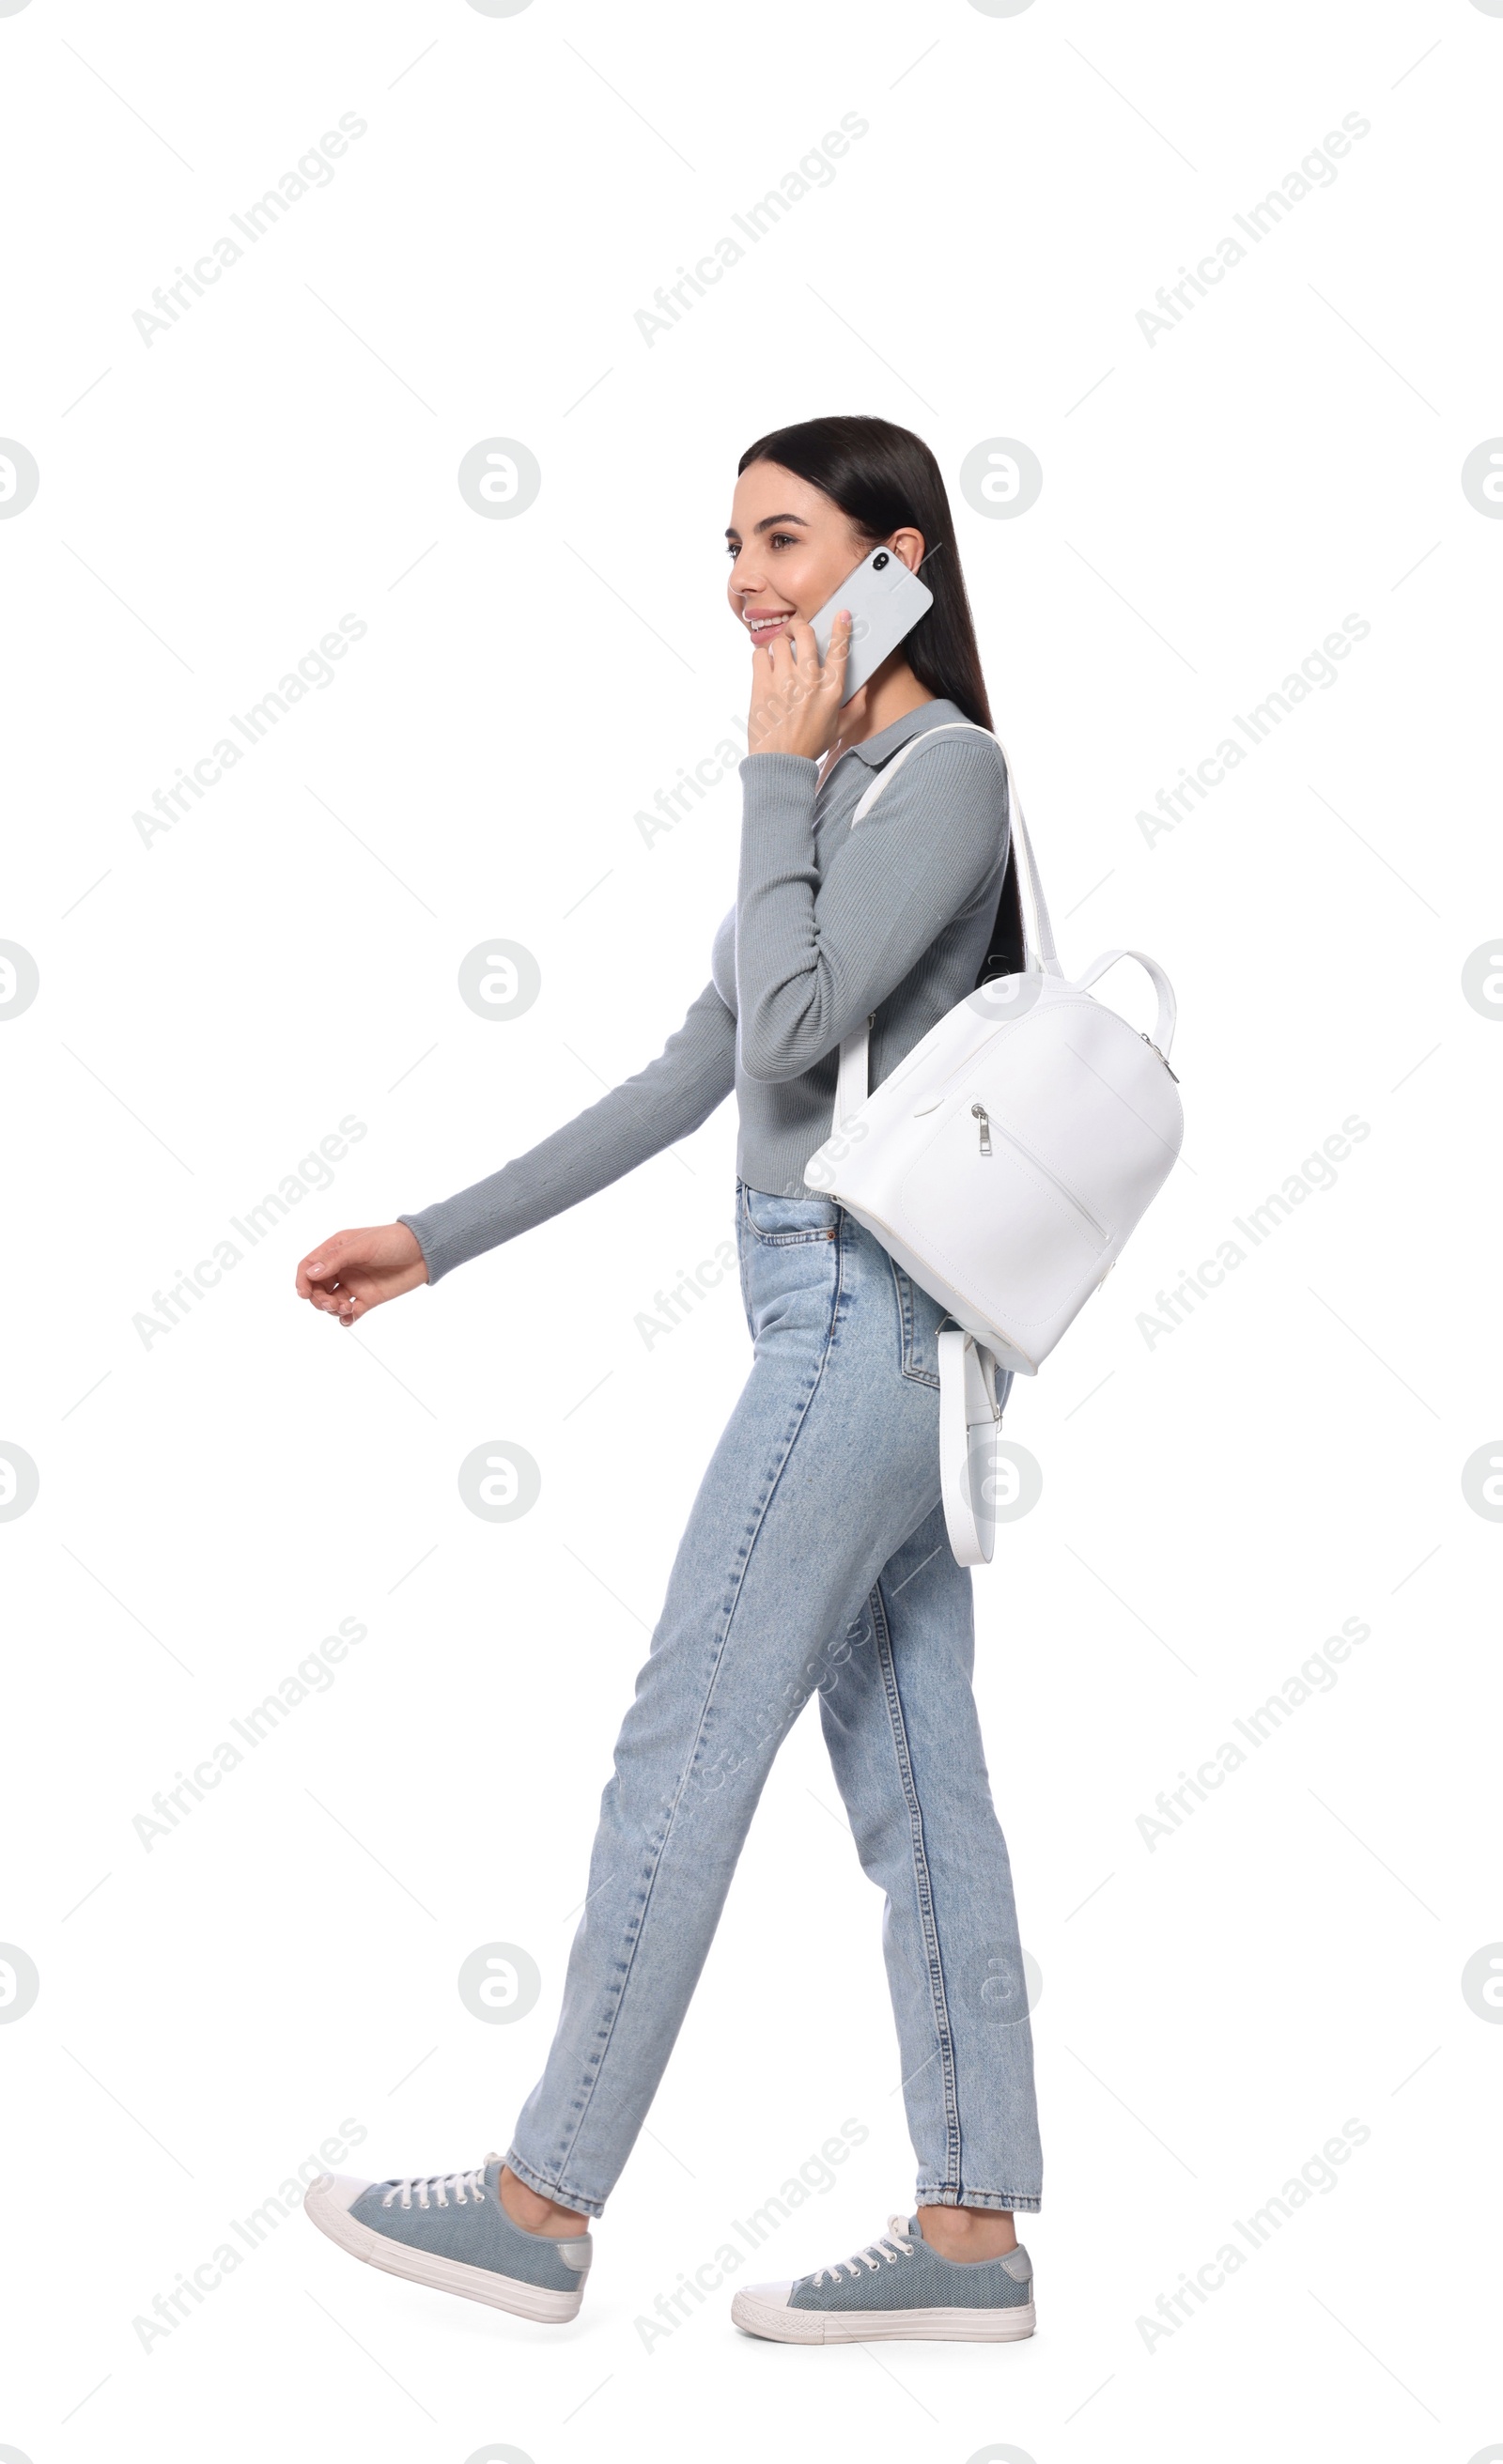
(762, 624)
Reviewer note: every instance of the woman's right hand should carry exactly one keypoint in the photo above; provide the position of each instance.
(356, 1271)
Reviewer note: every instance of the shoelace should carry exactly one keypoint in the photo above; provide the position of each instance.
(886, 2246)
(466, 2186)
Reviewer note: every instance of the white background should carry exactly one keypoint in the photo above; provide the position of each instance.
(1215, 1503)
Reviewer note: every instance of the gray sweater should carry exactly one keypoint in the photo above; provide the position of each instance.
(829, 925)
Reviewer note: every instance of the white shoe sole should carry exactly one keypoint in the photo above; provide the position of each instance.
(786, 2327)
(444, 2274)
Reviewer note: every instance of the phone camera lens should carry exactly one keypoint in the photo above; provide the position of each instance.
(877, 561)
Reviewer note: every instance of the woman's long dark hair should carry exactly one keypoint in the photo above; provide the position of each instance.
(884, 479)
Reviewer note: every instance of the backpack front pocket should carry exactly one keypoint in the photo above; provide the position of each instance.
(1012, 1225)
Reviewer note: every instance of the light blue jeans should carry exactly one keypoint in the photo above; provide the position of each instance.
(816, 1561)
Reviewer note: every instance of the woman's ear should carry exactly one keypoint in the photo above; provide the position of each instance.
(909, 545)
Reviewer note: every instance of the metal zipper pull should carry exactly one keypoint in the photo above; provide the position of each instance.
(980, 1111)
(1153, 1047)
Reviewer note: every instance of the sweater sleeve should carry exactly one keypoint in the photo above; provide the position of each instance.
(812, 956)
(663, 1102)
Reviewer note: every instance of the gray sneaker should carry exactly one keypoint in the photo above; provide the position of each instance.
(856, 2301)
(450, 2231)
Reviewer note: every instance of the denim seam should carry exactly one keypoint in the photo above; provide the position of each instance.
(956, 2195)
(923, 1886)
(709, 1695)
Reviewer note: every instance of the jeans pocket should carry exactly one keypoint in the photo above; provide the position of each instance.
(919, 1320)
(920, 1323)
(780, 1221)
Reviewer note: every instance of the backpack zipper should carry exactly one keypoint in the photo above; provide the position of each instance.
(1062, 1187)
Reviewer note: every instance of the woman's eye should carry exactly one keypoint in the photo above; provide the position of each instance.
(779, 539)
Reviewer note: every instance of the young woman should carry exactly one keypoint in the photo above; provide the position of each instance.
(816, 1558)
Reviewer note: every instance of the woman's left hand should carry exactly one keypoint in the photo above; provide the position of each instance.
(795, 703)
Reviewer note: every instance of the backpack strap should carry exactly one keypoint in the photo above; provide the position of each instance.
(969, 1412)
(1038, 934)
(852, 1084)
(968, 1405)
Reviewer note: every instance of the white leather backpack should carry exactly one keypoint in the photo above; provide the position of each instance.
(1004, 1163)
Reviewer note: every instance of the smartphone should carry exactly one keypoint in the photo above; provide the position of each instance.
(886, 602)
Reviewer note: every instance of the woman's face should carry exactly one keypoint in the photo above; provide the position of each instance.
(791, 548)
